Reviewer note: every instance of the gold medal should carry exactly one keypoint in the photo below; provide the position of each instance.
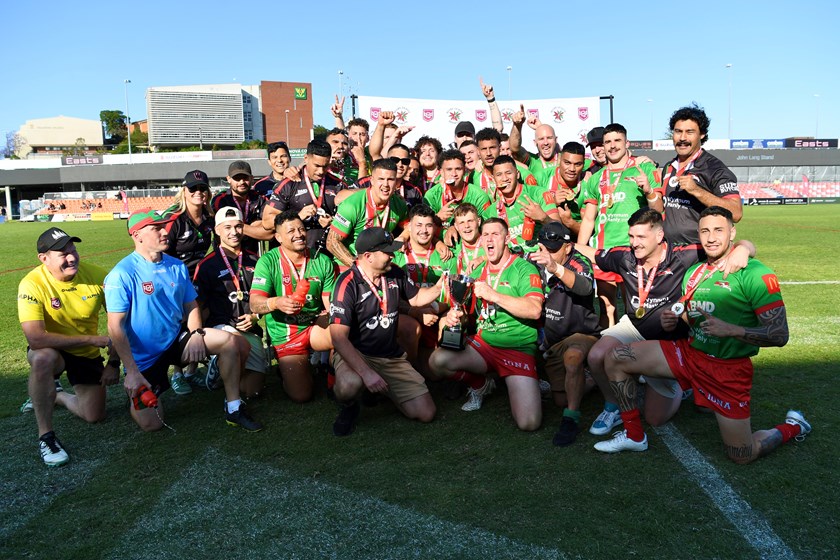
(610, 201)
(640, 312)
(239, 295)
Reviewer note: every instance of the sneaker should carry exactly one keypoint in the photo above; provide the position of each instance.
(243, 420)
(476, 396)
(180, 384)
(545, 387)
(567, 433)
(27, 405)
(795, 418)
(620, 442)
(605, 422)
(52, 452)
(213, 379)
(345, 422)
(197, 380)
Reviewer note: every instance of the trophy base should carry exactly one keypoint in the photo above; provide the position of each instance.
(453, 340)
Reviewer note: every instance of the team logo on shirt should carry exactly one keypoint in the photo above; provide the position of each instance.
(481, 115)
(772, 283)
(428, 115)
(583, 113)
(558, 114)
(454, 115)
(148, 288)
(374, 113)
(287, 279)
(55, 303)
(724, 285)
(401, 115)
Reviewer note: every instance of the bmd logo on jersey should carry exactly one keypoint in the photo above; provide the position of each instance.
(428, 115)
(148, 288)
(55, 303)
(374, 113)
(583, 113)
(481, 115)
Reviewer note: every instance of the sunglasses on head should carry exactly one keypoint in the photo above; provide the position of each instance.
(202, 188)
(404, 161)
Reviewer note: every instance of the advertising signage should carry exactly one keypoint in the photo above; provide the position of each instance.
(750, 144)
(810, 142)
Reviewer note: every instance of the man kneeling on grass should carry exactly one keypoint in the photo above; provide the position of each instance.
(729, 320)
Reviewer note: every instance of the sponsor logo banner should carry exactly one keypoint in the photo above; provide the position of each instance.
(810, 142)
(81, 160)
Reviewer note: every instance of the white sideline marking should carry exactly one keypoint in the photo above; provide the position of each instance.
(810, 282)
(240, 505)
(752, 526)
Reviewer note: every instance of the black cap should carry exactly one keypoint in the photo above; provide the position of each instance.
(239, 168)
(465, 126)
(376, 239)
(55, 239)
(553, 235)
(596, 135)
(196, 178)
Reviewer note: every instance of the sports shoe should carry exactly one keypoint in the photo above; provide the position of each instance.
(345, 422)
(213, 379)
(180, 384)
(52, 452)
(198, 380)
(795, 418)
(605, 422)
(27, 405)
(567, 433)
(620, 442)
(475, 397)
(243, 420)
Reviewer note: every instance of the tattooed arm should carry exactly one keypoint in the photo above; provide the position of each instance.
(772, 332)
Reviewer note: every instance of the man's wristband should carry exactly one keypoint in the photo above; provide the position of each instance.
(655, 196)
(198, 332)
(491, 100)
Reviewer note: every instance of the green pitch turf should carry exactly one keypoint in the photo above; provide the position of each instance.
(464, 486)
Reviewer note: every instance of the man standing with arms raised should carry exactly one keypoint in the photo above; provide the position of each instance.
(544, 138)
(695, 179)
(611, 196)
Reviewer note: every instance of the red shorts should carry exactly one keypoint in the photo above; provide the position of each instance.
(605, 276)
(297, 345)
(722, 385)
(505, 361)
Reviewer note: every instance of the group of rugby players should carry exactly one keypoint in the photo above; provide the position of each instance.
(372, 252)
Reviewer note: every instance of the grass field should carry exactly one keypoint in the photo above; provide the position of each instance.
(464, 486)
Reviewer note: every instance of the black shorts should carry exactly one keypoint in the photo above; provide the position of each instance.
(157, 373)
(82, 371)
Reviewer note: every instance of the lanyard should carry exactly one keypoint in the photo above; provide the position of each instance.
(289, 267)
(383, 301)
(699, 276)
(316, 200)
(465, 253)
(370, 210)
(485, 274)
(680, 171)
(501, 206)
(247, 207)
(415, 261)
(488, 185)
(447, 196)
(234, 276)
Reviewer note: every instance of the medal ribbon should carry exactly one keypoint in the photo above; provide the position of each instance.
(315, 200)
(289, 268)
(501, 206)
(383, 301)
(699, 276)
(488, 185)
(686, 167)
(465, 253)
(643, 293)
(412, 257)
(608, 186)
(552, 161)
(233, 276)
(370, 210)
(485, 274)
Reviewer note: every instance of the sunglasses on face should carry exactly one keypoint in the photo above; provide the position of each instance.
(551, 236)
(463, 135)
(202, 188)
(397, 161)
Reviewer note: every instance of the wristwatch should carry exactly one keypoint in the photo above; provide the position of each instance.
(198, 331)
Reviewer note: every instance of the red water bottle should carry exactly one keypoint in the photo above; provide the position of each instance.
(300, 292)
(527, 229)
(146, 399)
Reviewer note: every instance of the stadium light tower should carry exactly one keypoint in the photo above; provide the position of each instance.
(817, 127)
(127, 118)
(729, 67)
(509, 70)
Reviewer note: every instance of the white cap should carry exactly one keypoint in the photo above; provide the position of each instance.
(228, 214)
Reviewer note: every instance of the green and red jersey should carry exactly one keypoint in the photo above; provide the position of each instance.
(357, 213)
(439, 195)
(515, 217)
(424, 269)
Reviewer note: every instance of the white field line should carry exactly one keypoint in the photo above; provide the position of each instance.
(223, 506)
(752, 526)
(809, 283)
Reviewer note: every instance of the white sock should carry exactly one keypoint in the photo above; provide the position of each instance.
(233, 406)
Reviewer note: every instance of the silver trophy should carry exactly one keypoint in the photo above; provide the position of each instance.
(461, 292)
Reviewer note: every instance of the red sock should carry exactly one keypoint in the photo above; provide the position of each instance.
(789, 431)
(633, 424)
(472, 380)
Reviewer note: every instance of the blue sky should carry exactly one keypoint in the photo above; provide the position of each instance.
(64, 60)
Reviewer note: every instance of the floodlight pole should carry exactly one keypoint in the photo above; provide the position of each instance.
(127, 118)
